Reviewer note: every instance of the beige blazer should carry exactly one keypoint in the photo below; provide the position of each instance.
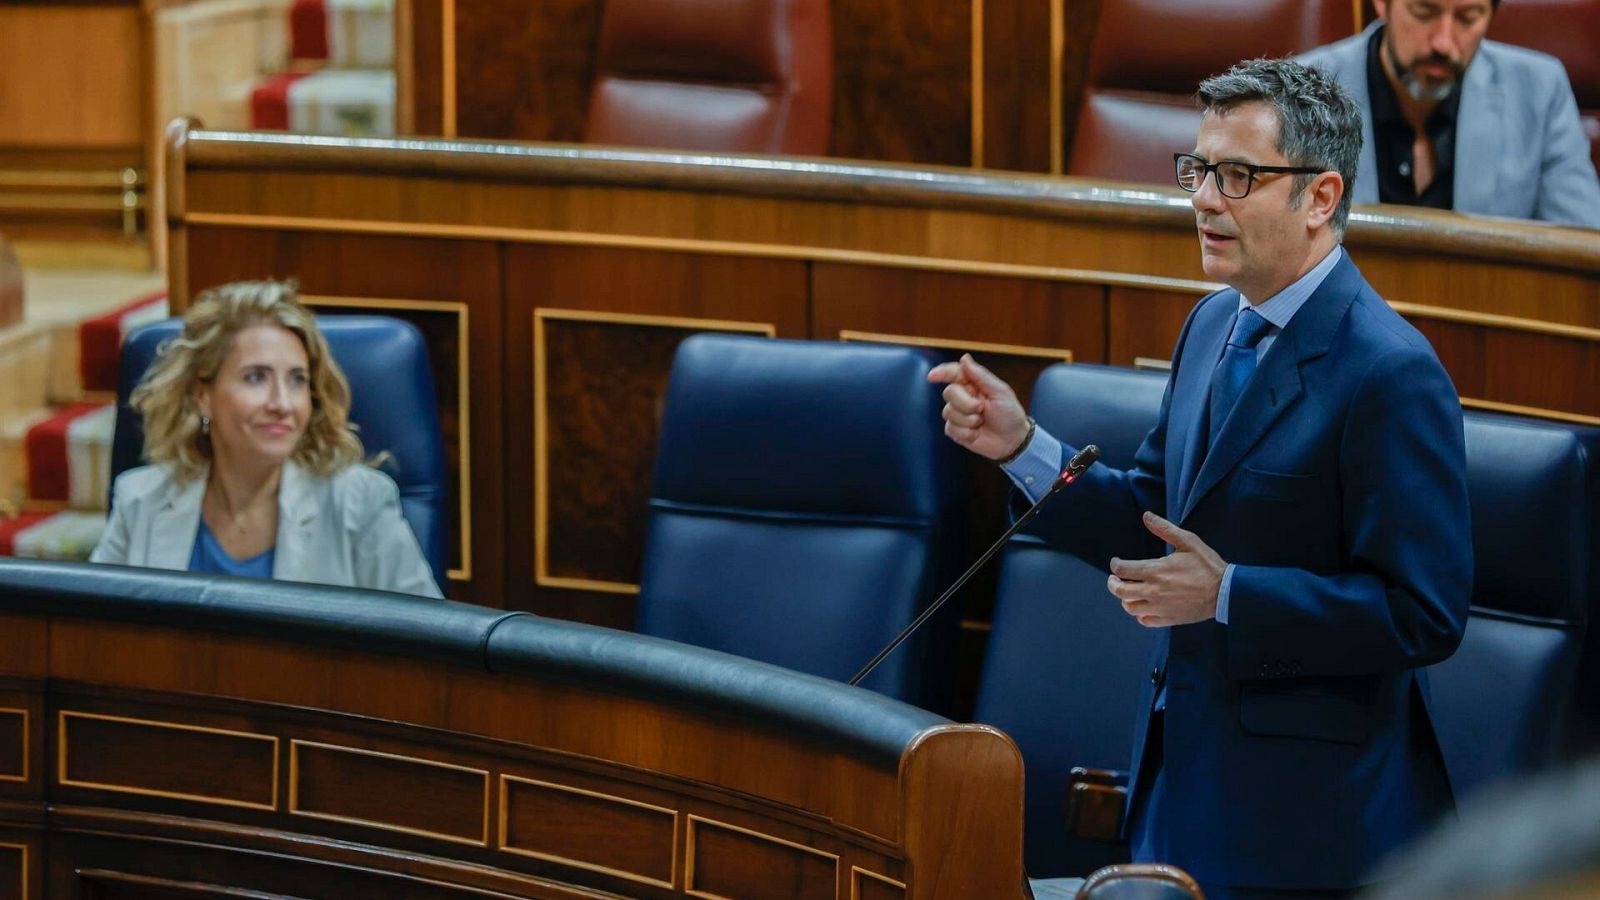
(343, 530)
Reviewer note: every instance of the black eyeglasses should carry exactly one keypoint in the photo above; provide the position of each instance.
(1234, 179)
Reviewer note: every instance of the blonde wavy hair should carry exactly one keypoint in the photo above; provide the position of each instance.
(165, 396)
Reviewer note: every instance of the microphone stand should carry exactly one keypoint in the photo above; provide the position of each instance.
(1075, 467)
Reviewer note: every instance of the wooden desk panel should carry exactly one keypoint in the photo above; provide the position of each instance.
(215, 761)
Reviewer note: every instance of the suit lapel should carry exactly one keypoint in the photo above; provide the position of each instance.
(1190, 396)
(1479, 136)
(1276, 384)
(297, 511)
(175, 524)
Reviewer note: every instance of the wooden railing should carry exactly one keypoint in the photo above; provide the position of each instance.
(172, 735)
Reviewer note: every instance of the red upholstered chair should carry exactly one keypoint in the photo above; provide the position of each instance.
(1569, 30)
(728, 75)
(1149, 55)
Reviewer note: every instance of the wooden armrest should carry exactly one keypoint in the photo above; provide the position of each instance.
(1095, 800)
(1157, 881)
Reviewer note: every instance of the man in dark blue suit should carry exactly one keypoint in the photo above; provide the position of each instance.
(1296, 524)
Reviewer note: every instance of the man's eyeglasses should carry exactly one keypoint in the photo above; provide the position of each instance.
(1234, 179)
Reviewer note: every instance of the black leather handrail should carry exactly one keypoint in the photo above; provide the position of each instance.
(802, 706)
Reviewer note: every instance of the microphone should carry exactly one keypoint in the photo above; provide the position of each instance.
(1075, 467)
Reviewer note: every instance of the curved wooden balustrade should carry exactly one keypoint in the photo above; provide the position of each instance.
(556, 280)
(167, 735)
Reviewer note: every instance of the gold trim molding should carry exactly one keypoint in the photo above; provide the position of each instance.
(693, 820)
(908, 340)
(541, 417)
(462, 572)
(505, 812)
(1058, 50)
(856, 874)
(27, 742)
(802, 252)
(1494, 320)
(62, 756)
(447, 67)
(1535, 411)
(977, 111)
(294, 791)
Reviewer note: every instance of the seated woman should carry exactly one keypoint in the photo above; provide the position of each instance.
(255, 469)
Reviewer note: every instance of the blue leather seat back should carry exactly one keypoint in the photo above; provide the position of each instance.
(1503, 703)
(1065, 663)
(801, 507)
(393, 404)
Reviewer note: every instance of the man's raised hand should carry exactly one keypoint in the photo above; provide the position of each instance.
(981, 412)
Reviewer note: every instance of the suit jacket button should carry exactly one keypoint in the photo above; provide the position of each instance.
(1155, 676)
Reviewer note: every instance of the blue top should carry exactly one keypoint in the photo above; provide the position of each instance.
(209, 557)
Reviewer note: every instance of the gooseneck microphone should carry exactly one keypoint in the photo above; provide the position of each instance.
(1075, 467)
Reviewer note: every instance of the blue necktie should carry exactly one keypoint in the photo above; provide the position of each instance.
(1238, 363)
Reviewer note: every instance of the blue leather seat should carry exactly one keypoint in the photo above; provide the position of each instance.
(393, 404)
(1064, 663)
(1504, 704)
(802, 509)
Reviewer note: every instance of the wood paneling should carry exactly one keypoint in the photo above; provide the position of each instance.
(870, 886)
(71, 76)
(390, 791)
(524, 69)
(167, 760)
(24, 646)
(725, 861)
(352, 267)
(1079, 19)
(15, 740)
(1522, 369)
(1144, 323)
(14, 881)
(906, 67)
(393, 762)
(570, 721)
(421, 77)
(1017, 90)
(1029, 314)
(604, 389)
(563, 824)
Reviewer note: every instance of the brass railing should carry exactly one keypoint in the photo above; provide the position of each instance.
(120, 191)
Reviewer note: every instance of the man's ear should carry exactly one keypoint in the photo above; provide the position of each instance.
(1382, 8)
(1322, 197)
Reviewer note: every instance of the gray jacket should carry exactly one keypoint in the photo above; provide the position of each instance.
(342, 530)
(1520, 149)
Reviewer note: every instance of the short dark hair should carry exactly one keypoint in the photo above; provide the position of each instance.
(1319, 126)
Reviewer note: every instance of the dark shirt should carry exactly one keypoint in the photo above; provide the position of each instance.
(1393, 139)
